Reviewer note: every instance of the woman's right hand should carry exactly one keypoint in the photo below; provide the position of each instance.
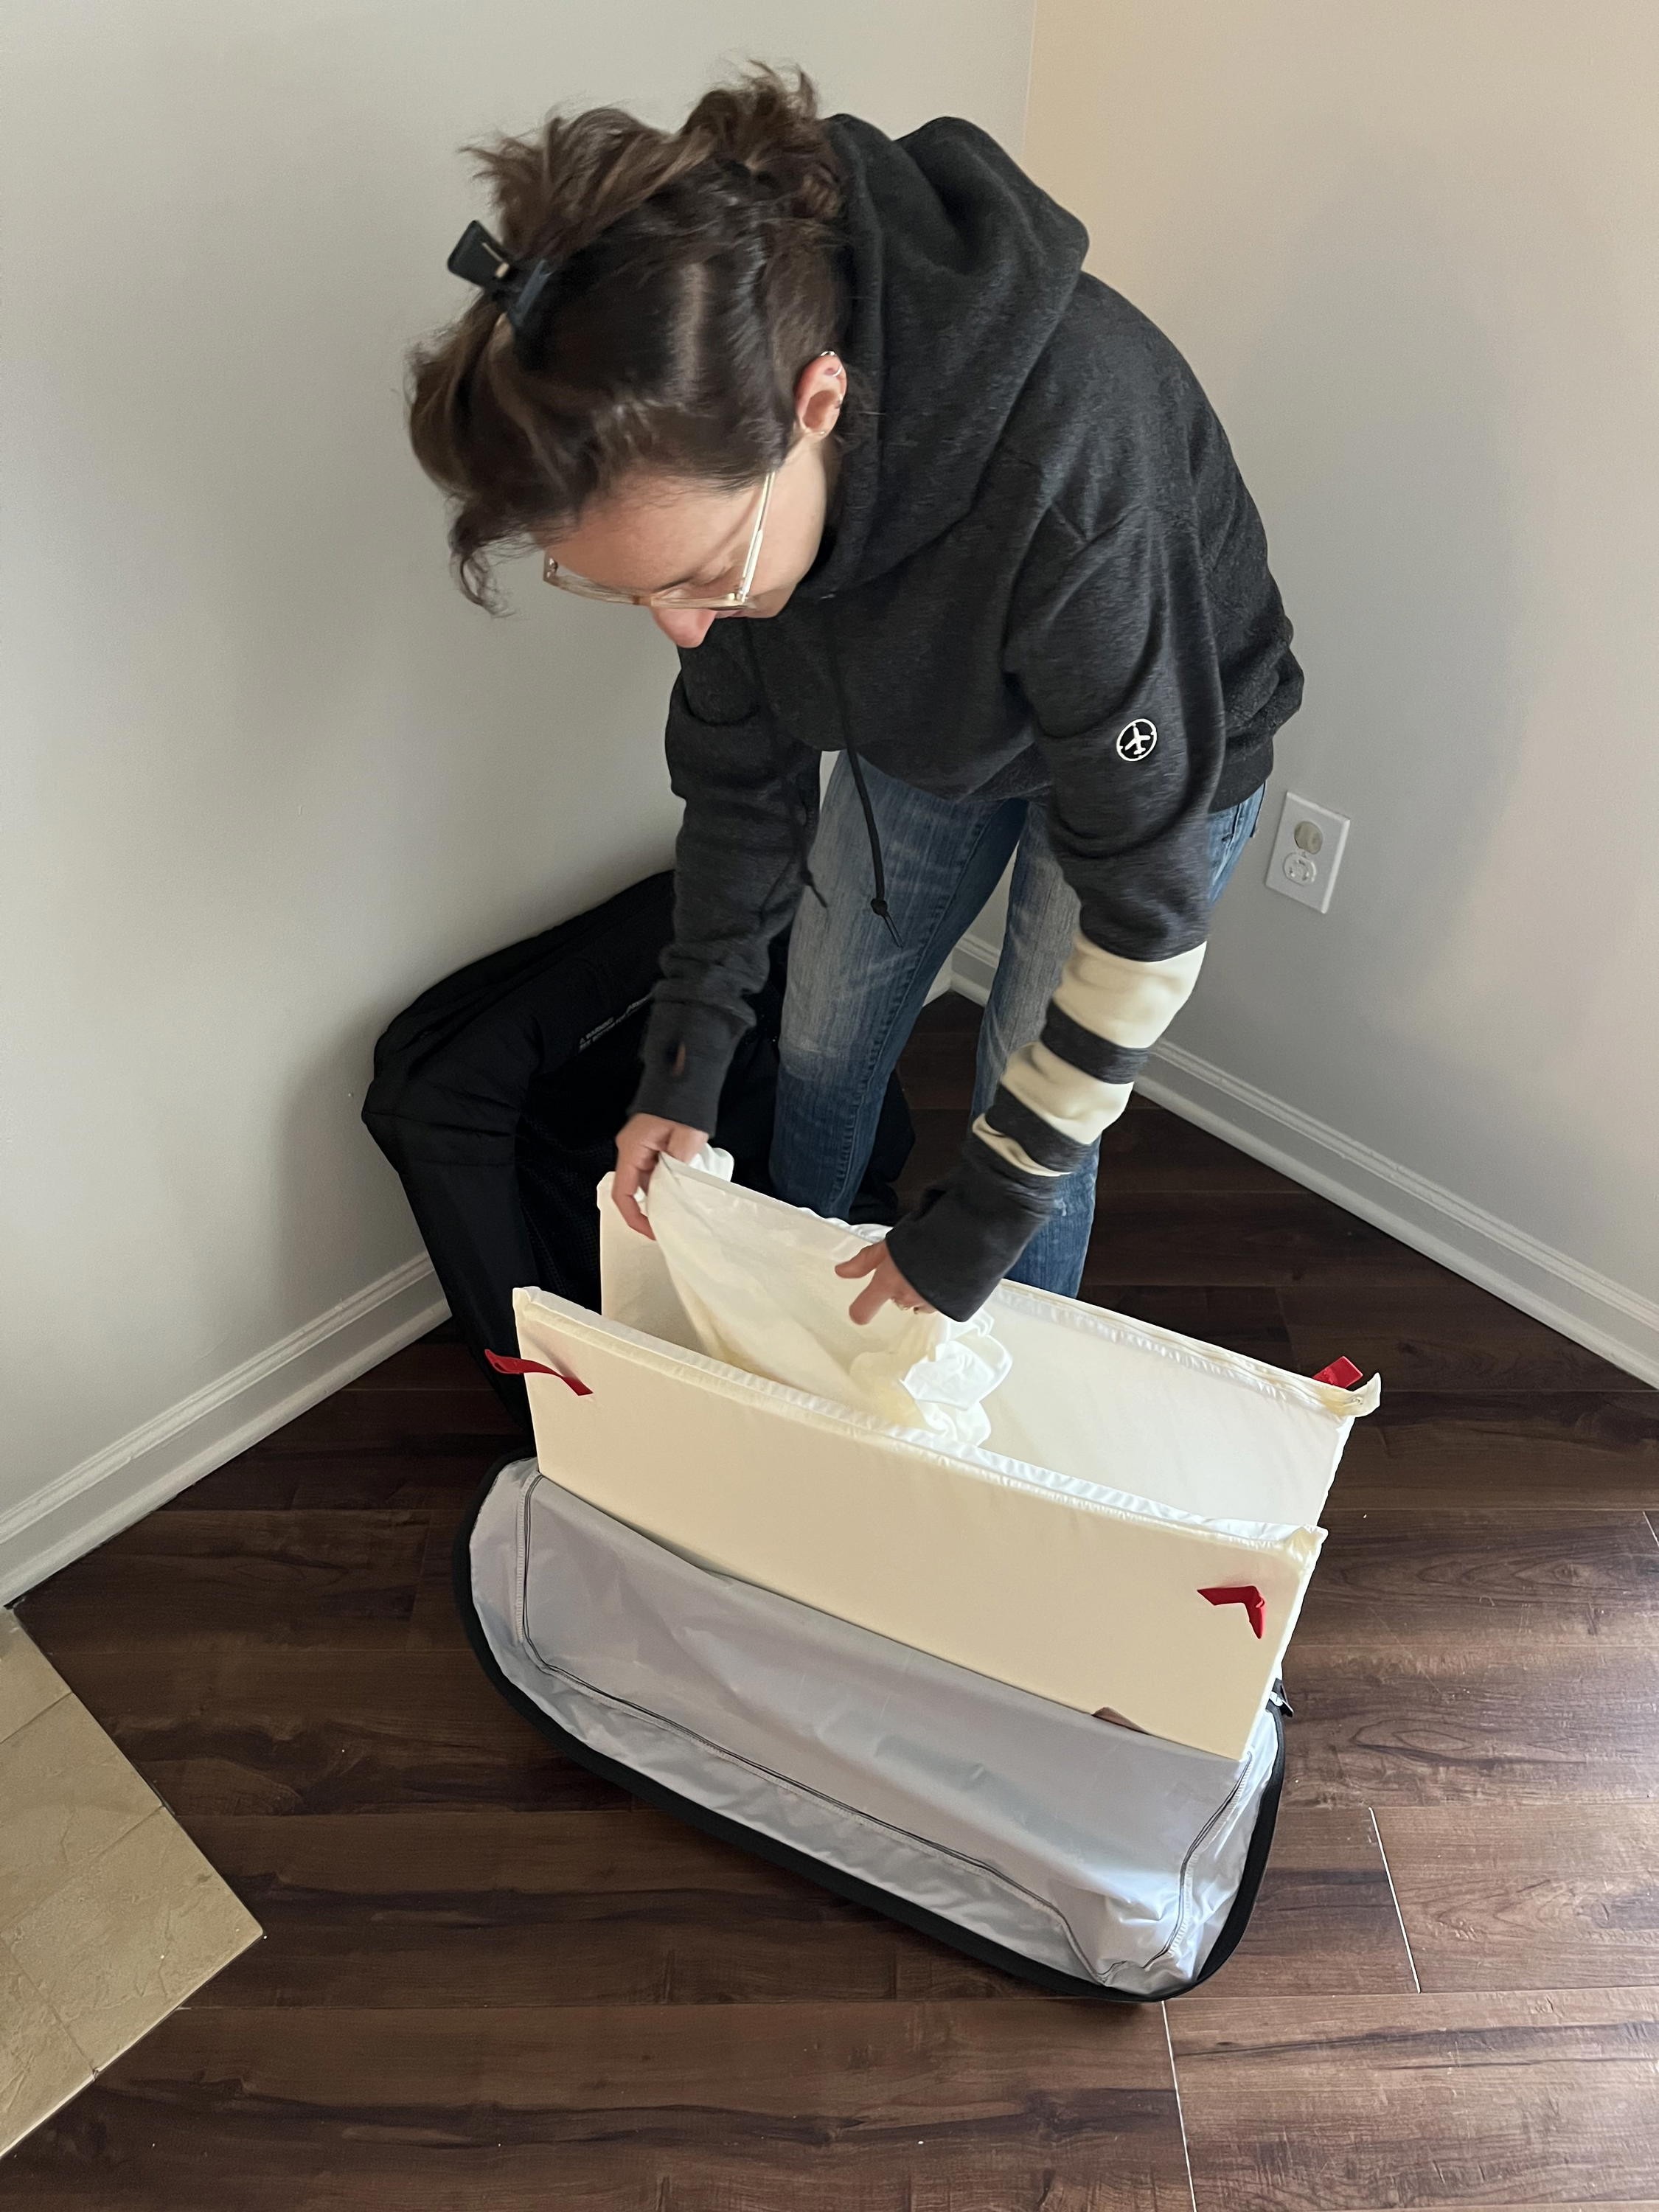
(639, 1148)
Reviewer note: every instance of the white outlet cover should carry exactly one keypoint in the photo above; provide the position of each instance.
(1309, 878)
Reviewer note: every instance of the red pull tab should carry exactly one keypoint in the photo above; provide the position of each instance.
(1342, 1373)
(504, 1366)
(1248, 1595)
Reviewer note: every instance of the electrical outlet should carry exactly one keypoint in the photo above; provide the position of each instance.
(1307, 852)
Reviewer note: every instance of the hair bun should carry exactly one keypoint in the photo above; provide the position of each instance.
(768, 126)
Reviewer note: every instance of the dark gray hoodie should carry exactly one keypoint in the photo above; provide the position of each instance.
(1039, 535)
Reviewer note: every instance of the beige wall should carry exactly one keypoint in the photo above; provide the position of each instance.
(269, 775)
(1409, 247)
(266, 775)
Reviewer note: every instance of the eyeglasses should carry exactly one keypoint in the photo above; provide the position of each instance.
(676, 595)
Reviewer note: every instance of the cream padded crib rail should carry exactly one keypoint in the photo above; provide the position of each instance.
(1135, 1536)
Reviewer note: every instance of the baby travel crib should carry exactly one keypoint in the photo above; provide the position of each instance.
(977, 1624)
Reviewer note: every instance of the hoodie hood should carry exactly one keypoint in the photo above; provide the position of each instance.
(958, 269)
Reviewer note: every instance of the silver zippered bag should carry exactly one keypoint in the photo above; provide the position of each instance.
(1084, 1856)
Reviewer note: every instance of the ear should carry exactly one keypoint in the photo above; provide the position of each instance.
(820, 389)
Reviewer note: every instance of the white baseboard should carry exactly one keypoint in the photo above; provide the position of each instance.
(129, 1478)
(972, 966)
(1590, 1307)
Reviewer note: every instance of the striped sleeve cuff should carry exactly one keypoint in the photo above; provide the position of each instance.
(1058, 1095)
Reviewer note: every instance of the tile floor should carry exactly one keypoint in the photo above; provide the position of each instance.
(109, 1914)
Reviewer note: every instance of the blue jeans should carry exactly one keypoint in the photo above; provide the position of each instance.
(854, 993)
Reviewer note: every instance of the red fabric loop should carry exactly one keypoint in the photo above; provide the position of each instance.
(504, 1366)
(1341, 1373)
(1244, 1594)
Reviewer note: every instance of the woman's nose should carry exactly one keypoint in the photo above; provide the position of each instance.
(686, 626)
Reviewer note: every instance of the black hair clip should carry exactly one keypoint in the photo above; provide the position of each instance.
(523, 290)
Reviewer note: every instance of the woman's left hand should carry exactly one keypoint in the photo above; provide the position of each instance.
(886, 1283)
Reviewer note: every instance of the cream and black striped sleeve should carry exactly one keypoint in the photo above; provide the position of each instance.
(1059, 1096)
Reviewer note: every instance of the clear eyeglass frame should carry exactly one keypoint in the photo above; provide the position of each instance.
(565, 580)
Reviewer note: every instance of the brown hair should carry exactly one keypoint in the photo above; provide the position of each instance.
(696, 274)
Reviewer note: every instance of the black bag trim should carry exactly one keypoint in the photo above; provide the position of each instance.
(728, 1831)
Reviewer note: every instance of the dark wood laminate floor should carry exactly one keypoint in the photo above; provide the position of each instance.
(490, 1982)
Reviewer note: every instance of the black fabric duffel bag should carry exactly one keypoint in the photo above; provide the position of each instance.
(497, 1095)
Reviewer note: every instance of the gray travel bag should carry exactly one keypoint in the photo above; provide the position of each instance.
(1086, 1857)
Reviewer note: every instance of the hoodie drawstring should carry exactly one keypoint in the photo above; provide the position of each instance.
(879, 905)
(804, 854)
